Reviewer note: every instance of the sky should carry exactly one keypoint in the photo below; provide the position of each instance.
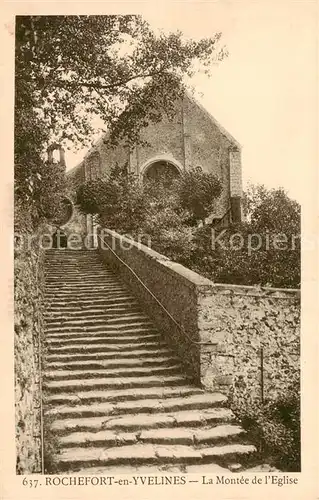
(265, 92)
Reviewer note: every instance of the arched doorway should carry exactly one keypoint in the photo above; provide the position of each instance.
(161, 172)
(64, 212)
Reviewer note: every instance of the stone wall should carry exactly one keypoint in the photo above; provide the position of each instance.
(169, 282)
(164, 139)
(112, 156)
(221, 332)
(28, 330)
(207, 147)
(253, 337)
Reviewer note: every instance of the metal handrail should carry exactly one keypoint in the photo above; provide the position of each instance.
(180, 327)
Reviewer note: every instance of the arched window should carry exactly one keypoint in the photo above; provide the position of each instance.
(161, 171)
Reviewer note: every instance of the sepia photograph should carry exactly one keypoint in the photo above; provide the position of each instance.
(157, 247)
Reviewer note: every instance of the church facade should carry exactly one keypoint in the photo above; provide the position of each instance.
(192, 138)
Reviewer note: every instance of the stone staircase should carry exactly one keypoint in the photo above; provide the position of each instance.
(115, 395)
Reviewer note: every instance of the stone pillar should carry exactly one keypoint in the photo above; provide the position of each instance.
(62, 156)
(50, 155)
(89, 230)
(187, 147)
(235, 183)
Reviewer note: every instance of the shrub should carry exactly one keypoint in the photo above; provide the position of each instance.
(274, 427)
(197, 192)
(118, 199)
(271, 214)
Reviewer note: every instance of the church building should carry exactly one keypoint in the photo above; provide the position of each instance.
(192, 138)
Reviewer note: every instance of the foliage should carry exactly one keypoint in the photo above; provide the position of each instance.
(198, 191)
(81, 67)
(274, 427)
(71, 70)
(166, 232)
(151, 210)
(38, 184)
(117, 199)
(263, 250)
(250, 253)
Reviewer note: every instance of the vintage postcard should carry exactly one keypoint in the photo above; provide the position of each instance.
(160, 246)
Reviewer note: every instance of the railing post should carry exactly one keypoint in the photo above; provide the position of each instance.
(262, 374)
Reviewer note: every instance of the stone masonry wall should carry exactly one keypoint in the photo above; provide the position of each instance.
(255, 339)
(222, 327)
(28, 330)
(164, 138)
(208, 148)
(169, 282)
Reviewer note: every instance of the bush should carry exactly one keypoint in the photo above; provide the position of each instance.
(168, 215)
(118, 199)
(271, 214)
(274, 427)
(197, 192)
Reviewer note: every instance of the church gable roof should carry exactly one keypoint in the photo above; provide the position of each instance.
(222, 130)
(193, 100)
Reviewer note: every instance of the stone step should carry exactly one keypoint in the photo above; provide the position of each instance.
(106, 328)
(114, 393)
(117, 354)
(154, 470)
(83, 266)
(62, 276)
(61, 270)
(114, 383)
(85, 301)
(103, 321)
(98, 331)
(88, 313)
(79, 308)
(112, 348)
(77, 256)
(148, 454)
(83, 286)
(124, 395)
(51, 288)
(178, 435)
(80, 279)
(73, 271)
(79, 290)
(113, 363)
(83, 276)
(75, 268)
(85, 373)
(120, 338)
(131, 422)
(90, 294)
(75, 305)
(106, 318)
(196, 402)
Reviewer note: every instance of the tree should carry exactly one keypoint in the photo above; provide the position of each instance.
(118, 199)
(78, 67)
(263, 250)
(197, 192)
(71, 70)
(277, 219)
